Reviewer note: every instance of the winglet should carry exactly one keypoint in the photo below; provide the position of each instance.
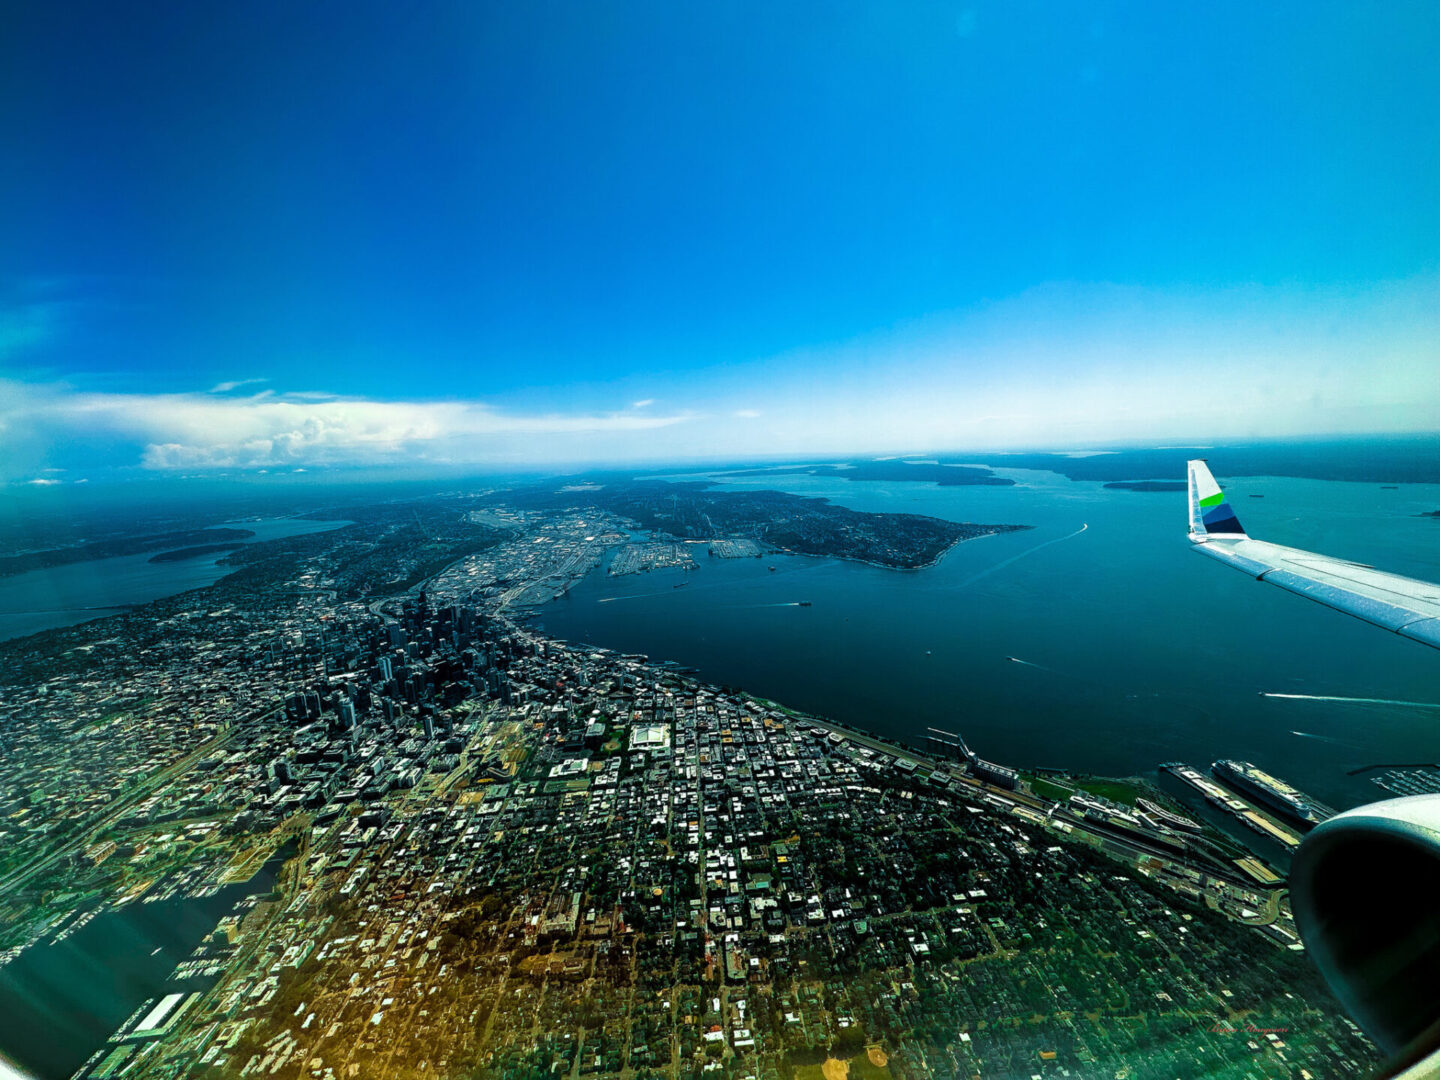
(1210, 514)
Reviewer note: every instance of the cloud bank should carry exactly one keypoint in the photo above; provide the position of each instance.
(190, 431)
(1059, 367)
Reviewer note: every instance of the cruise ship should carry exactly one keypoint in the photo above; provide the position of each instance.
(1288, 803)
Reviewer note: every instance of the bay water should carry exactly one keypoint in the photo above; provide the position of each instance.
(1096, 641)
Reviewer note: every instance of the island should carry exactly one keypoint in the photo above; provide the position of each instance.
(181, 554)
(1147, 485)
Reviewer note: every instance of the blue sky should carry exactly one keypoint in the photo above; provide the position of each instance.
(264, 235)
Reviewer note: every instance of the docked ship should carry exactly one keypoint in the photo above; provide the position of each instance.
(1214, 794)
(1289, 804)
(1168, 818)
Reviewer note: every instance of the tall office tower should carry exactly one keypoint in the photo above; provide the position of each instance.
(429, 723)
(346, 709)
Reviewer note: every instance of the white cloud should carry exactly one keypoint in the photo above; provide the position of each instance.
(234, 384)
(1061, 366)
(195, 430)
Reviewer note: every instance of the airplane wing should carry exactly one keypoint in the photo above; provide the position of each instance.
(1404, 605)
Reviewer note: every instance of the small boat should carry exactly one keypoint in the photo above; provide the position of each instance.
(804, 603)
(772, 569)
(680, 585)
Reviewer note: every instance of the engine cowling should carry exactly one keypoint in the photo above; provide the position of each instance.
(1365, 890)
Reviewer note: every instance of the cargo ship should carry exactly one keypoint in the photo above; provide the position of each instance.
(1291, 805)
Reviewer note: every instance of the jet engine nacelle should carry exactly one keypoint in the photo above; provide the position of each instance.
(1365, 890)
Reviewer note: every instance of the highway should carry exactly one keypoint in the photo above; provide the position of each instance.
(19, 878)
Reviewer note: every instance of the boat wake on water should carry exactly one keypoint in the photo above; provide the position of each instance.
(1017, 557)
(1327, 738)
(1352, 700)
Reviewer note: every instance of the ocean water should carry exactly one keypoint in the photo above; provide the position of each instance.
(65, 595)
(1096, 641)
